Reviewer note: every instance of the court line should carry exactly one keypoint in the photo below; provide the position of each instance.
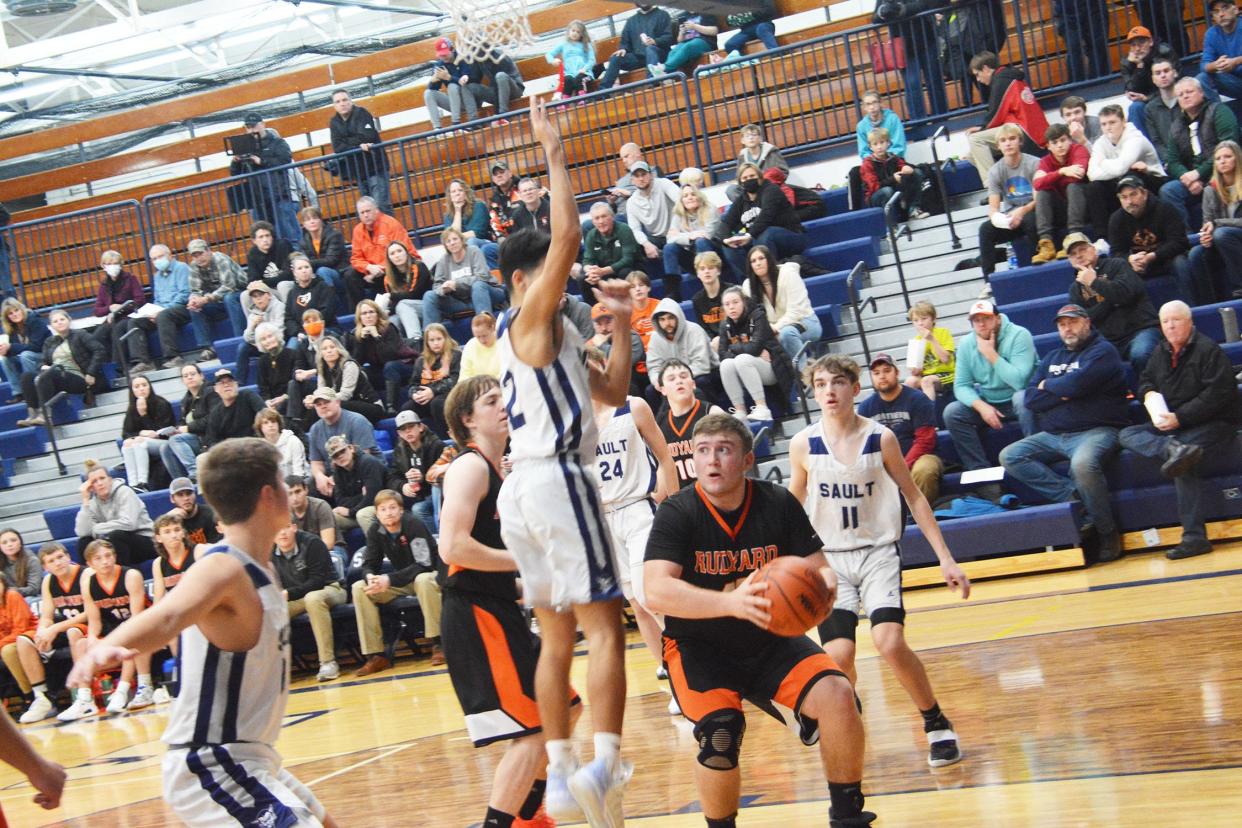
(359, 764)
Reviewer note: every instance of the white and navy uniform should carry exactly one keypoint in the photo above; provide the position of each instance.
(627, 477)
(550, 513)
(221, 767)
(856, 510)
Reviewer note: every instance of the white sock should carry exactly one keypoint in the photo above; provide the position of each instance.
(122, 687)
(144, 679)
(39, 689)
(560, 756)
(608, 748)
(84, 694)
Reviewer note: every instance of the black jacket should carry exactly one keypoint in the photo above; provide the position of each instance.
(1158, 229)
(539, 220)
(159, 416)
(348, 134)
(372, 351)
(753, 335)
(318, 295)
(422, 283)
(236, 420)
(257, 263)
(656, 23)
(403, 457)
(273, 152)
(86, 351)
(1117, 301)
(201, 408)
(412, 551)
(769, 209)
(357, 486)
(275, 371)
(331, 249)
(1137, 76)
(440, 387)
(1200, 388)
(306, 569)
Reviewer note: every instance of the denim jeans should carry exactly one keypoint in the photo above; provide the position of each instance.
(763, 31)
(287, 226)
(491, 251)
(1212, 279)
(791, 338)
(484, 298)
(237, 316)
(963, 423)
(679, 258)
(783, 244)
(628, 62)
(376, 186)
(26, 362)
(1029, 461)
(216, 310)
(1083, 24)
(1148, 441)
(1138, 348)
(180, 455)
(1189, 207)
(1220, 83)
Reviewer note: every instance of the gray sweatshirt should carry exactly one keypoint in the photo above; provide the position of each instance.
(472, 268)
(122, 510)
(651, 213)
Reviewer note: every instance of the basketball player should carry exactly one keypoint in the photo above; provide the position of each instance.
(110, 595)
(681, 414)
(481, 622)
(175, 556)
(847, 471)
(707, 542)
(635, 473)
(62, 625)
(221, 767)
(550, 516)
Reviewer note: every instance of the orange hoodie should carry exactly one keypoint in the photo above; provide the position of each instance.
(15, 617)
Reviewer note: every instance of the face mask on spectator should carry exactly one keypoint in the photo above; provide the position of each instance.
(314, 328)
(751, 185)
(162, 263)
(112, 270)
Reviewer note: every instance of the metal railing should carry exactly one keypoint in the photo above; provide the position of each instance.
(852, 284)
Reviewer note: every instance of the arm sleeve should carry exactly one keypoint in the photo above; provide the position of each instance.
(1211, 49)
(871, 181)
(1102, 367)
(349, 381)
(1014, 368)
(897, 136)
(443, 386)
(373, 559)
(84, 523)
(964, 378)
(1122, 289)
(629, 246)
(924, 443)
(1219, 390)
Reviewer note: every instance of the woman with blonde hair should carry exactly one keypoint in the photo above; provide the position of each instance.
(374, 341)
(1214, 262)
(468, 215)
(435, 373)
(694, 222)
(336, 369)
(22, 352)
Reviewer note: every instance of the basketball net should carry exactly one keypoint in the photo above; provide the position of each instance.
(487, 26)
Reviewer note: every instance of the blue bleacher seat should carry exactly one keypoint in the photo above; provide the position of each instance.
(857, 224)
(844, 255)
(1207, 320)
(996, 534)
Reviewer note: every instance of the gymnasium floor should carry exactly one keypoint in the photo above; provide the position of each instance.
(1103, 697)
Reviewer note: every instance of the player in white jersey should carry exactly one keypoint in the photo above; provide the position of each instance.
(221, 767)
(550, 515)
(848, 471)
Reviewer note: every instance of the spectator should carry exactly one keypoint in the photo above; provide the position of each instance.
(406, 281)
(18, 565)
(309, 293)
(758, 152)
(1060, 191)
(496, 80)
(1119, 152)
(629, 154)
(404, 541)
(503, 199)
(374, 341)
(311, 588)
(357, 477)
(994, 364)
(1193, 136)
(149, 421)
(355, 135)
(911, 416)
(435, 373)
(1011, 199)
(784, 299)
(645, 41)
(884, 174)
(276, 366)
(170, 292)
(673, 339)
(332, 419)
(269, 425)
(610, 250)
(1084, 129)
(268, 258)
(936, 371)
(198, 520)
(469, 216)
(916, 31)
(461, 281)
(1162, 106)
(234, 416)
(650, 216)
(1221, 58)
(312, 515)
(174, 556)
(533, 210)
(481, 355)
(111, 511)
(575, 58)
(696, 36)
(415, 469)
(969, 29)
(216, 285)
(760, 215)
(449, 88)
(752, 25)
(369, 249)
(324, 246)
(261, 307)
(707, 301)
(1167, 20)
(72, 362)
(691, 232)
(16, 620)
(23, 352)
(199, 401)
(1150, 233)
(1214, 262)
(1137, 69)
(604, 324)
(751, 357)
(119, 295)
(1010, 102)
(1078, 393)
(877, 115)
(336, 369)
(1115, 299)
(577, 314)
(305, 347)
(1193, 379)
(268, 196)
(644, 305)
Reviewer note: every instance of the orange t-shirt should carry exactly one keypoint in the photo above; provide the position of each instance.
(641, 322)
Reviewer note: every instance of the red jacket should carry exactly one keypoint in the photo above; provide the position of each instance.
(1018, 106)
(877, 174)
(1056, 182)
(15, 617)
(371, 247)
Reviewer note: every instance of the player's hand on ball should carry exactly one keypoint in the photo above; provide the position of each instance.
(956, 578)
(748, 602)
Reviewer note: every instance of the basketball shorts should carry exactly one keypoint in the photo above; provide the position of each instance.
(630, 525)
(552, 521)
(868, 580)
(236, 784)
(491, 655)
(60, 644)
(706, 678)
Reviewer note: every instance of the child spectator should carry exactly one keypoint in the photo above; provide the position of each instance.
(875, 115)
(1214, 262)
(884, 174)
(481, 355)
(936, 370)
(644, 305)
(707, 301)
(435, 373)
(1011, 199)
(1060, 191)
(575, 55)
(696, 36)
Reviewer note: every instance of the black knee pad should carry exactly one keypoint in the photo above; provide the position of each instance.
(885, 615)
(840, 624)
(720, 739)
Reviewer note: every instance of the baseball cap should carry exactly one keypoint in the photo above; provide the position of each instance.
(1129, 181)
(1137, 32)
(1214, 3)
(498, 165)
(336, 444)
(1072, 239)
(224, 374)
(640, 166)
(882, 359)
(444, 46)
(252, 118)
(598, 310)
(1073, 311)
(259, 286)
(323, 394)
(181, 484)
(405, 418)
(982, 308)
(197, 246)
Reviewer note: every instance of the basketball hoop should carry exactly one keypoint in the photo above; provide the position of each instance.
(487, 26)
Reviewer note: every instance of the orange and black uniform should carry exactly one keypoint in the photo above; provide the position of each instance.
(714, 663)
(173, 570)
(488, 646)
(678, 432)
(112, 600)
(66, 603)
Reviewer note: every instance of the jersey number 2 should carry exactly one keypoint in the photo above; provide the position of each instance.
(516, 418)
(849, 517)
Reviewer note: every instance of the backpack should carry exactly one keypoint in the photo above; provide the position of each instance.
(931, 197)
(808, 203)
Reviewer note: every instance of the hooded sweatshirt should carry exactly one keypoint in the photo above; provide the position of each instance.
(121, 511)
(689, 343)
(997, 383)
(767, 157)
(1110, 161)
(1083, 388)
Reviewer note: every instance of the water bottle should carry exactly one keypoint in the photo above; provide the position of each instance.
(1011, 257)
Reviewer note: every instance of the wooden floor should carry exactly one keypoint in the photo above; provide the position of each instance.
(1103, 697)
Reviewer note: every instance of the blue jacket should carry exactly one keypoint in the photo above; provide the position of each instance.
(1082, 389)
(172, 286)
(36, 334)
(896, 134)
(1218, 44)
(995, 383)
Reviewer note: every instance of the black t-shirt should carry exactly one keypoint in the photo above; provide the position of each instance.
(716, 550)
(678, 432)
(708, 310)
(486, 530)
(201, 527)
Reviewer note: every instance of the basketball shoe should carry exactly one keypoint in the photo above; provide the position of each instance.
(600, 791)
(539, 820)
(558, 802)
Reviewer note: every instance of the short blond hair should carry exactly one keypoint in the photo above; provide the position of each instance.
(922, 308)
(1009, 130)
(878, 134)
(708, 258)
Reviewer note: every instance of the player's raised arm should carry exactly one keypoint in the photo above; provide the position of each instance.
(613, 385)
(465, 486)
(666, 474)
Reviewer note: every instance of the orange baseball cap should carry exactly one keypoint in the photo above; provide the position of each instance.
(1138, 32)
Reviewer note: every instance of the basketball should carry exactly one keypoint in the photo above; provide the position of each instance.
(800, 598)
